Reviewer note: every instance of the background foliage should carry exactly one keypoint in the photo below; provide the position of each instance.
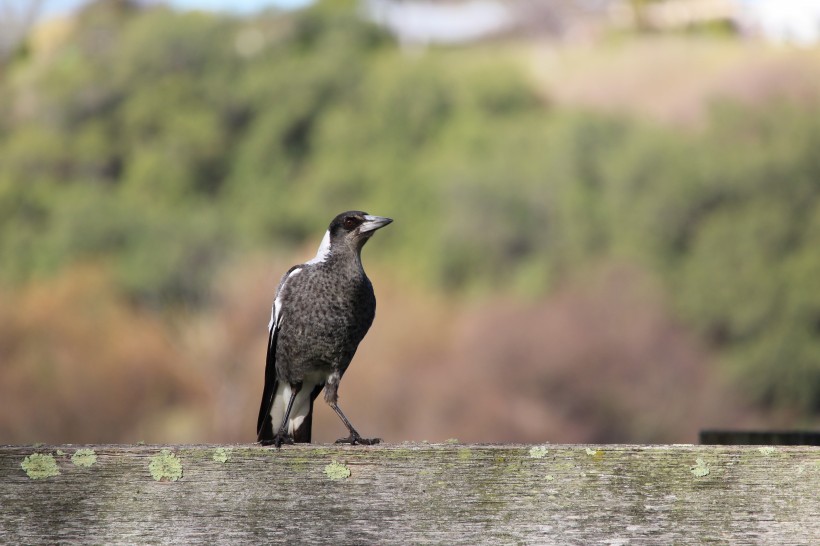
(152, 151)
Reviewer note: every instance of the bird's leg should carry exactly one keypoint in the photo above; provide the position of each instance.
(354, 437)
(331, 397)
(281, 436)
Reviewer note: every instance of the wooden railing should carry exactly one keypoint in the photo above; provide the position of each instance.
(409, 494)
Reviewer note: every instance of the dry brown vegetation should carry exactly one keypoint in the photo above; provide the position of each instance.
(79, 365)
(674, 78)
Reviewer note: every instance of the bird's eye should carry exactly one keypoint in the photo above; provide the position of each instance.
(351, 222)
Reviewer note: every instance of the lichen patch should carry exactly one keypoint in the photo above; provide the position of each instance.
(337, 471)
(700, 468)
(221, 455)
(165, 466)
(39, 466)
(84, 457)
(538, 452)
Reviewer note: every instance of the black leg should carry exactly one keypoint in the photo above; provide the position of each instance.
(281, 437)
(354, 437)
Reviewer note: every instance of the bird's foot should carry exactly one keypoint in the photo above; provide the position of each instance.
(355, 439)
(277, 440)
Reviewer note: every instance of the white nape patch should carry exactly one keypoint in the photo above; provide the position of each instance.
(301, 404)
(323, 252)
(275, 317)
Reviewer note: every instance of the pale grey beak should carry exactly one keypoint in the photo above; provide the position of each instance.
(372, 223)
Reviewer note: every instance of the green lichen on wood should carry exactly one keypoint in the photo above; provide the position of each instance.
(311, 451)
(767, 450)
(398, 453)
(337, 471)
(165, 466)
(255, 451)
(39, 466)
(700, 468)
(298, 464)
(465, 454)
(221, 455)
(538, 452)
(84, 457)
(514, 466)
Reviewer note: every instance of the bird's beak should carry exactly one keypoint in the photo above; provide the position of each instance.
(372, 223)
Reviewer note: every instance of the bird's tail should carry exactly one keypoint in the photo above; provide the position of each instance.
(264, 425)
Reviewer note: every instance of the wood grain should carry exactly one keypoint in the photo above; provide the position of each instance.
(416, 494)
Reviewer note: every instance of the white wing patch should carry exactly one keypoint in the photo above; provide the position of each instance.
(301, 404)
(323, 252)
(276, 310)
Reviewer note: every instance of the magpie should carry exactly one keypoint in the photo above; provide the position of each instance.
(322, 310)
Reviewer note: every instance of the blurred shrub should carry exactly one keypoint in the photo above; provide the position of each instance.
(597, 361)
(79, 364)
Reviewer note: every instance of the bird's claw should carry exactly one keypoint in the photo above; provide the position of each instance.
(277, 440)
(355, 439)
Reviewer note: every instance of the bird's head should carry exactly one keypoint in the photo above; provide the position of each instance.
(349, 230)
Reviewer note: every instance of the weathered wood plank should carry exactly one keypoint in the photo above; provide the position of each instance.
(415, 493)
(760, 437)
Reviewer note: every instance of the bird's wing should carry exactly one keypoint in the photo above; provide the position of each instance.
(264, 428)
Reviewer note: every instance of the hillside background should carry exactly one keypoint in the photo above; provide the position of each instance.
(613, 240)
